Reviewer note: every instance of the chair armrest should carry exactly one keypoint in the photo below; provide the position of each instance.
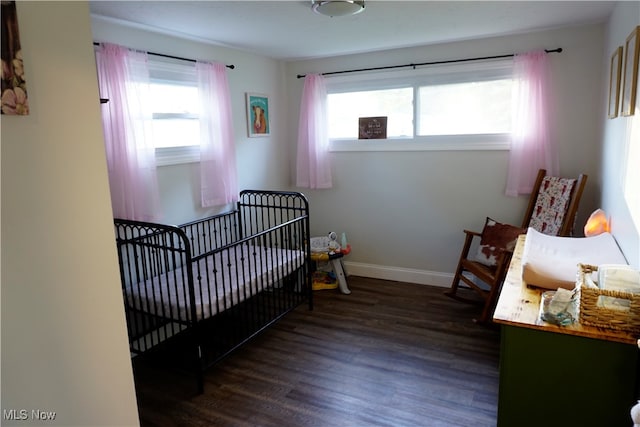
(469, 235)
(472, 233)
(503, 260)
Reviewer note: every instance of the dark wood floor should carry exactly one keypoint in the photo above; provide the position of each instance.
(389, 354)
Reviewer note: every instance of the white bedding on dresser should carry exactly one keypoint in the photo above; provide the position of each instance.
(551, 262)
(239, 274)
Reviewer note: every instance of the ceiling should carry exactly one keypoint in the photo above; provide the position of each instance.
(289, 30)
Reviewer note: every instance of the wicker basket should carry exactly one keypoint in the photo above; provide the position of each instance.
(594, 314)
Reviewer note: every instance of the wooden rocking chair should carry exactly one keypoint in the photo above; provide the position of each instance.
(552, 209)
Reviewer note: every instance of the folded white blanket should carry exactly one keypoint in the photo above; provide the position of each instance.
(619, 278)
(551, 262)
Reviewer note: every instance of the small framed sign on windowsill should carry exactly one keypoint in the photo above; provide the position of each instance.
(372, 128)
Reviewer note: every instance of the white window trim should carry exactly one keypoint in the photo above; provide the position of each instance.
(483, 142)
(440, 74)
(167, 156)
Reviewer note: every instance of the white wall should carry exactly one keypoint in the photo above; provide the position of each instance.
(621, 147)
(404, 212)
(262, 162)
(64, 339)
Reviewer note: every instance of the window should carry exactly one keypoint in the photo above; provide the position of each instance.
(462, 106)
(175, 111)
(345, 109)
(175, 115)
(465, 108)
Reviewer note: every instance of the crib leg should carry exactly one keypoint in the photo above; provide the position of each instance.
(200, 381)
(199, 368)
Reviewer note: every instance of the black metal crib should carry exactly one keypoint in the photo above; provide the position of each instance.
(202, 289)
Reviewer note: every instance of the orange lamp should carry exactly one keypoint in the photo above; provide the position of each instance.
(596, 224)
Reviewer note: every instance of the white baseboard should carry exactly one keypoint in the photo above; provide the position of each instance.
(409, 275)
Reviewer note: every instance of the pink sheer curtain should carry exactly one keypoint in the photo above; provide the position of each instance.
(313, 169)
(531, 146)
(217, 150)
(124, 80)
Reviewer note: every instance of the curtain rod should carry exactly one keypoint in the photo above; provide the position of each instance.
(231, 66)
(558, 50)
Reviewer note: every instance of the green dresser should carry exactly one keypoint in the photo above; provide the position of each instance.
(560, 376)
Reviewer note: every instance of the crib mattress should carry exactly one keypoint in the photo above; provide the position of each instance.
(221, 280)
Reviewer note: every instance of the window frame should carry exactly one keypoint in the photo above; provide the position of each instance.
(432, 75)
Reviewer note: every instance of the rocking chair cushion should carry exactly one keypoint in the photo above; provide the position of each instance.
(496, 237)
(551, 206)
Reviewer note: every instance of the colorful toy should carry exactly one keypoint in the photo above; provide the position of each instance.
(327, 250)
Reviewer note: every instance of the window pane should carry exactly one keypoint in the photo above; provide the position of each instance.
(344, 110)
(176, 132)
(465, 108)
(175, 109)
(167, 98)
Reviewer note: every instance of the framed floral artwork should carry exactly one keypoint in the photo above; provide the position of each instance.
(614, 83)
(14, 83)
(258, 115)
(630, 83)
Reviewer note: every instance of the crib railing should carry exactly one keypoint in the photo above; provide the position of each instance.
(260, 210)
(151, 256)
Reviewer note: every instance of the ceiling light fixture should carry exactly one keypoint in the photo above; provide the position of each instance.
(337, 7)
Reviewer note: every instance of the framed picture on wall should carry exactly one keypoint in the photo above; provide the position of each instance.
(630, 82)
(14, 83)
(258, 115)
(614, 83)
